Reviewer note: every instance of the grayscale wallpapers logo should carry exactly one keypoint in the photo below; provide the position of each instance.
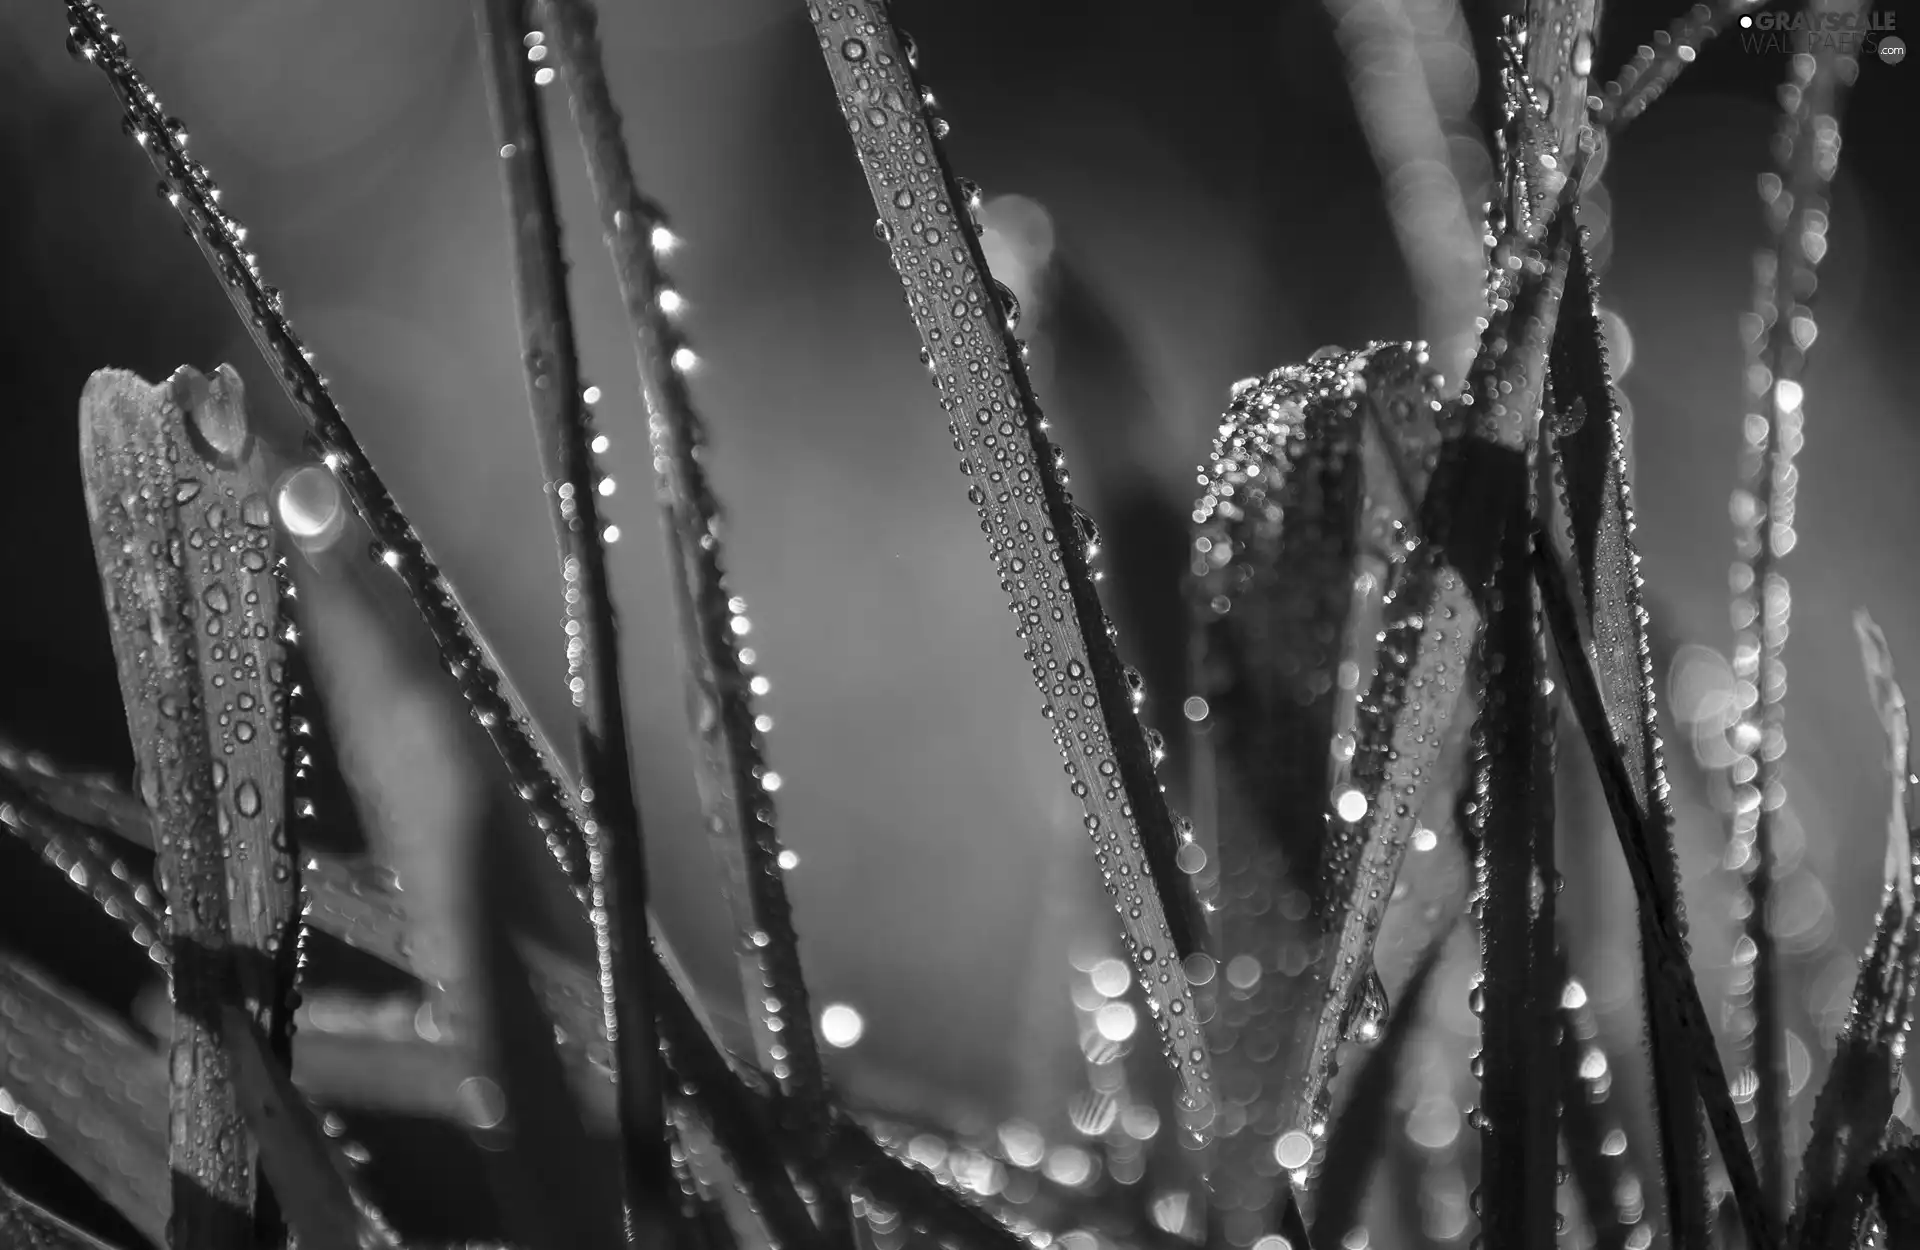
(1857, 33)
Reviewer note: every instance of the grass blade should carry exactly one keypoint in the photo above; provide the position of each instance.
(1779, 331)
(1850, 1118)
(1598, 501)
(81, 1082)
(614, 842)
(1035, 533)
(1521, 975)
(1896, 1183)
(1654, 65)
(26, 1225)
(1659, 927)
(1359, 1137)
(735, 786)
(132, 438)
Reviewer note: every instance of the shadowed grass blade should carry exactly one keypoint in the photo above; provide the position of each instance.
(1598, 500)
(308, 1179)
(143, 475)
(1521, 976)
(94, 1093)
(1659, 927)
(1360, 1135)
(1035, 534)
(735, 786)
(1850, 1117)
(1779, 331)
(615, 845)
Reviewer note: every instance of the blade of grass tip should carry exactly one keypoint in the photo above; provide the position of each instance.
(1520, 981)
(26, 1225)
(531, 763)
(82, 1083)
(1896, 1184)
(1778, 331)
(1282, 512)
(1359, 1136)
(1658, 925)
(1597, 498)
(736, 785)
(1851, 1115)
(132, 436)
(1596, 1147)
(308, 1177)
(1035, 534)
(1654, 65)
(615, 844)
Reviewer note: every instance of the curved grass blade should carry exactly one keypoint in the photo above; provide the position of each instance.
(615, 844)
(1598, 501)
(733, 772)
(1521, 976)
(142, 472)
(1779, 332)
(1659, 928)
(1654, 65)
(1850, 1118)
(26, 1225)
(1036, 535)
(308, 1178)
(1359, 1136)
(1595, 1146)
(96, 1095)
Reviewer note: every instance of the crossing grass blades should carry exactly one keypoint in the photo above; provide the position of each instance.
(1483, 534)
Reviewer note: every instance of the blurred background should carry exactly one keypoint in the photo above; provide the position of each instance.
(1181, 196)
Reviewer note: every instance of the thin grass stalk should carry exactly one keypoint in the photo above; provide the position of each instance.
(735, 783)
(1655, 65)
(1036, 535)
(132, 435)
(615, 844)
(1521, 978)
(1658, 924)
(1597, 500)
(1359, 1137)
(1778, 332)
(27, 1225)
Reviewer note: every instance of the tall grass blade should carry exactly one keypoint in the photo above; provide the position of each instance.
(93, 1092)
(1850, 1118)
(1037, 537)
(1655, 65)
(735, 784)
(144, 473)
(1596, 1147)
(1778, 332)
(1360, 1136)
(26, 1225)
(1521, 976)
(615, 846)
(1598, 502)
(1659, 927)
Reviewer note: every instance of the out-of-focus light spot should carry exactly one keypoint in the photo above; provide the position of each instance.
(1614, 1143)
(1574, 996)
(760, 685)
(606, 486)
(1111, 977)
(592, 396)
(611, 534)
(1424, 839)
(1787, 395)
(772, 782)
(1069, 1165)
(1243, 972)
(841, 1026)
(1593, 1065)
(1350, 804)
(1273, 1241)
(310, 507)
(1799, 1064)
(684, 359)
(1619, 342)
(789, 859)
(1022, 1143)
(1195, 708)
(1434, 1123)
(543, 76)
(485, 1106)
(1169, 1211)
(1116, 1022)
(663, 240)
(1293, 1150)
(1140, 1122)
(671, 300)
(1356, 1239)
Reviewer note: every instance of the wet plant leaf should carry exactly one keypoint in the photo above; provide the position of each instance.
(26, 1225)
(1035, 533)
(1597, 498)
(1896, 1184)
(1851, 1115)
